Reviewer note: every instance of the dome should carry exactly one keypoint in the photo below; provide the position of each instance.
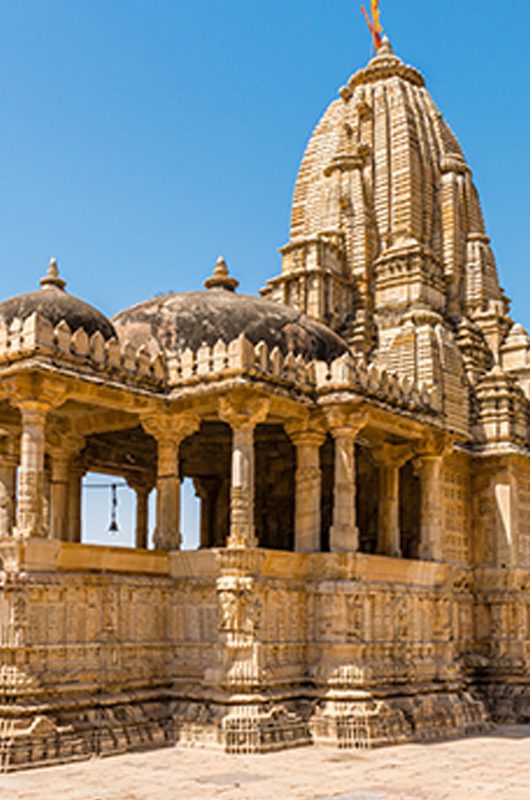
(177, 321)
(53, 303)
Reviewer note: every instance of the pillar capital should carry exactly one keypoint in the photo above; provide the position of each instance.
(435, 445)
(140, 483)
(171, 427)
(33, 408)
(424, 463)
(391, 455)
(35, 394)
(346, 423)
(307, 430)
(64, 446)
(242, 411)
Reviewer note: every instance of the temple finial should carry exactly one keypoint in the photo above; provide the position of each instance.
(52, 277)
(221, 278)
(386, 48)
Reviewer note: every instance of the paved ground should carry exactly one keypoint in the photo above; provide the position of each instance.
(493, 767)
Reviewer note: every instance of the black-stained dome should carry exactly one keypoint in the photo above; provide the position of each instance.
(176, 322)
(54, 304)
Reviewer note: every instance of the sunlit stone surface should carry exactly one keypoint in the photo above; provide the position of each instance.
(359, 441)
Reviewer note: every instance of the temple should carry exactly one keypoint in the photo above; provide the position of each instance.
(358, 437)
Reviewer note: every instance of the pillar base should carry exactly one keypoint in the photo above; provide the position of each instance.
(343, 539)
(369, 723)
(245, 728)
(81, 728)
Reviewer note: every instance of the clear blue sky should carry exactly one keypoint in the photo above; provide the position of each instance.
(139, 139)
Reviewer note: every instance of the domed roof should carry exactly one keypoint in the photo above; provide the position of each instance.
(175, 322)
(53, 303)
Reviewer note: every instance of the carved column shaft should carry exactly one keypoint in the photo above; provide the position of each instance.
(429, 470)
(74, 500)
(344, 535)
(167, 533)
(142, 515)
(389, 536)
(207, 489)
(60, 478)
(30, 520)
(242, 413)
(242, 529)
(169, 430)
(308, 493)
(8, 484)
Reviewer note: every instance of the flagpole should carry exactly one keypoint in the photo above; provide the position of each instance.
(374, 25)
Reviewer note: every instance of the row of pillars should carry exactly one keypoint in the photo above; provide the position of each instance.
(65, 489)
(59, 499)
(344, 534)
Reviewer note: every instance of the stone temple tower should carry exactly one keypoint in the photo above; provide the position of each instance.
(388, 244)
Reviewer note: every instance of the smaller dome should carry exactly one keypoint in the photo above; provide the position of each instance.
(174, 322)
(53, 303)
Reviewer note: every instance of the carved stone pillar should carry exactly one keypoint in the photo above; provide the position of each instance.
(169, 431)
(63, 450)
(142, 492)
(74, 498)
(429, 470)
(389, 534)
(207, 490)
(308, 492)
(167, 532)
(47, 499)
(344, 534)
(242, 413)
(30, 512)
(389, 458)
(60, 465)
(8, 486)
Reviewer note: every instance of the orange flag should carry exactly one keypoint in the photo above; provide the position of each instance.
(376, 16)
(376, 36)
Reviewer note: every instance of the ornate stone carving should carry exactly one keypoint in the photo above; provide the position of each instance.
(243, 413)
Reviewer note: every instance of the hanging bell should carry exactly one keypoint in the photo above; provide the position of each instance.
(113, 527)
